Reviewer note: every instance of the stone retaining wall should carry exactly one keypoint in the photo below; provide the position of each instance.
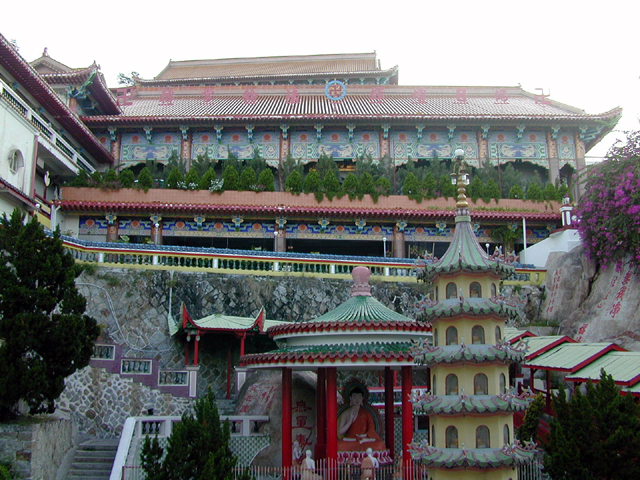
(36, 449)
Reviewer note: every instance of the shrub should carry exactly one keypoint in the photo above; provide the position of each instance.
(311, 182)
(175, 179)
(248, 179)
(206, 180)
(534, 192)
(516, 192)
(266, 180)
(331, 184)
(609, 211)
(127, 178)
(294, 182)
(145, 179)
(192, 180)
(230, 178)
(350, 186)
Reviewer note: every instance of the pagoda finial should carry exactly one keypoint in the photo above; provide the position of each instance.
(361, 285)
(460, 178)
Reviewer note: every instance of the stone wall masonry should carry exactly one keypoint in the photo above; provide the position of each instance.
(36, 449)
(132, 308)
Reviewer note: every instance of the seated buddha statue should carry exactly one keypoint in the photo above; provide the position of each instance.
(357, 426)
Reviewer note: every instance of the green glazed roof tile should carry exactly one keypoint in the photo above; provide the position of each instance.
(361, 308)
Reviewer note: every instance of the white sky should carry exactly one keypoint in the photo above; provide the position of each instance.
(585, 53)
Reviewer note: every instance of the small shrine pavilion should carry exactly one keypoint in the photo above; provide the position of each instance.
(359, 335)
(470, 405)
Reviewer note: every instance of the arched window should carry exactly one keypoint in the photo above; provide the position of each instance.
(493, 290)
(16, 161)
(451, 384)
(452, 437)
(433, 436)
(482, 437)
(435, 337)
(433, 385)
(475, 290)
(452, 290)
(477, 334)
(505, 434)
(452, 336)
(480, 384)
(503, 383)
(437, 294)
(498, 335)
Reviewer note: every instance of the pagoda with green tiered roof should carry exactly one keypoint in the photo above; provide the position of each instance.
(470, 405)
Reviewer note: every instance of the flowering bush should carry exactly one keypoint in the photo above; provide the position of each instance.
(609, 211)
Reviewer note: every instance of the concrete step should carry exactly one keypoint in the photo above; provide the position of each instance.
(93, 460)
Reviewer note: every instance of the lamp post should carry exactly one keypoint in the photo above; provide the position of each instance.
(384, 246)
(460, 178)
(487, 245)
(156, 239)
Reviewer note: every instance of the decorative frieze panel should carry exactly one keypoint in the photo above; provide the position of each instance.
(506, 146)
(305, 147)
(267, 144)
(105, 141)
(426, 145)
(566, 150)
(141, 146)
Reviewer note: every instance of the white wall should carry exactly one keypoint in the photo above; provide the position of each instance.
(562, 241)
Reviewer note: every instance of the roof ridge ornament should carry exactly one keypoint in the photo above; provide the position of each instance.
(361, 287)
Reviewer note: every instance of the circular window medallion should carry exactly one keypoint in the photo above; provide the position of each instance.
(335, 90)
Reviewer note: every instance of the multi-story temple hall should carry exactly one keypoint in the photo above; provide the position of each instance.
(299, 110)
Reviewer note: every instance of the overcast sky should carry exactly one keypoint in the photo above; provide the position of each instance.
(584, 53)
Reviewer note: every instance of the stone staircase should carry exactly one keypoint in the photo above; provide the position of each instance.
(93, 460)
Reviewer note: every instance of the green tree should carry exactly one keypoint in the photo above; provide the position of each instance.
(411, 186)
(331, 185)
(429, 186)
(531, 421)
(145, 179)
(534, 192)
(266, 180)
(294, 182)
(81, 180)
(366, 186)
(127, 178)
(510, 177)
(202, 163)
(198, 448)
(45, 335)
(350, 186)
(475, 189)
(550, 192)
(230, 178)
(490, 190)
(192, 180)
(248, 179)
(175, 179)
(382, 187)
(206, 179)
(516, 192)
(111, 179)
(311, 182)
(286, 168)
(447, 189)
(325, 164)
(595, 435)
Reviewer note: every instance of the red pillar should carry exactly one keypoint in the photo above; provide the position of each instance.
(548, 402)
(287, 440)
(321, 415)
(407, 421)
(332, 416)
(389, 410)
(196, 345)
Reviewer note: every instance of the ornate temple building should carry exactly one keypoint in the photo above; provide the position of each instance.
(470, 405)
(343, 106)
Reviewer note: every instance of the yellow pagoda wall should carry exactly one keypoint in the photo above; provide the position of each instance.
(463, 282)
(467, 425)
(464, 327)
(465, 377)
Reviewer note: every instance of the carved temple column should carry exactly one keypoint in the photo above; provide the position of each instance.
(407, 421)
(287, 437)
(554, 164)
(398, 242)
(332, 416)
(321, 411)
(280, 236)
(580, 165)
(389, 411)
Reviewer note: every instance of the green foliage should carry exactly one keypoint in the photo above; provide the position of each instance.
(96, 179)
(382, 187)
(192, 180)
(294, 182)
(350, 186)
(550, 192)
(531, 422)
(330, 184)
(248, 179)
(366, 186)
(311, 182)
(145, 179)
(175, 179)
(198, 448)
(516, 192)
(81, 180)
(230, 178)
(411, 186)
(201, 164)
(206, 180)
(447, 189)
(325, 165)
(7, 472)
(127, 178)
(563, 190)
(286, 168)
(595, 435)
(490, 190)
(510, 178)
(266, 180)
(534, 192)
(506, 235)
(429, 186)
(475, 189)
(44, 334)
(111, 180)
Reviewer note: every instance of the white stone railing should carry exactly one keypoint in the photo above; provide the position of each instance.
(53, 140)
